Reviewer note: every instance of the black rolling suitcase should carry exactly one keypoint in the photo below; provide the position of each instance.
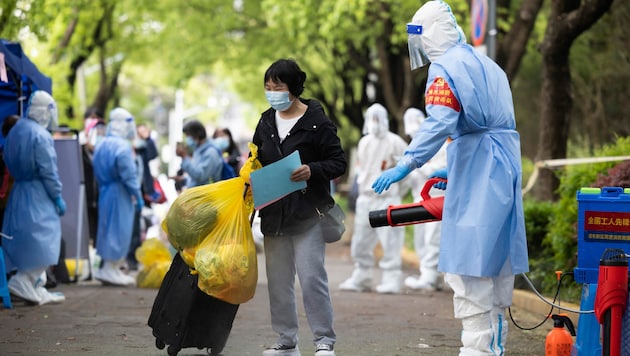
(184, 316)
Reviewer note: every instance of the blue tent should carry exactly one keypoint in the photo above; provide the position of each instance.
(19, 77)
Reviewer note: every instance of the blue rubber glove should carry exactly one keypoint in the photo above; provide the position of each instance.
(389, 177)
(156, 196)
(139, 202)
(60, 206)
(440, 173)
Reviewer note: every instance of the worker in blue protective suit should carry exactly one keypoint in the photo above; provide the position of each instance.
(205, 165)
(483, 243)
(31, 218)
(119, 194)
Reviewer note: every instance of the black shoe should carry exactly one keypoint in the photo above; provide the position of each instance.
(283, 350)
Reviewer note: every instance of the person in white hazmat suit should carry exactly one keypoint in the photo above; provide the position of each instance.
(119, 193)
(483, 243)
(426, 236)
(35, 203)
(377, 151)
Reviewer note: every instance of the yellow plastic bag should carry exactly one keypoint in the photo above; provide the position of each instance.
(226, 260)
(151, 251)
(190, 219)
(193, 215)
(152, 276)
(209, 226)
(155, 259)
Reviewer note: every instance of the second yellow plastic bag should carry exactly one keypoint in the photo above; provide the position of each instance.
(155, 259)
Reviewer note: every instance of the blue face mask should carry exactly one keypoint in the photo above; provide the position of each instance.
(279, 100)
(222, 143)
(190, 142)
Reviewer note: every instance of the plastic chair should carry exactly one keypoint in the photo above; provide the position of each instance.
(4, 287)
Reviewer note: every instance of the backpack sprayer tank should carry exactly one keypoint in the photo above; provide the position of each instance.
(427, 210)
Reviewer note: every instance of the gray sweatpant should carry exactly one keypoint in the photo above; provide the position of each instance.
(304, 254)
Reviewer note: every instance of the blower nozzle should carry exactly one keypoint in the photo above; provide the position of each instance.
(427, 210)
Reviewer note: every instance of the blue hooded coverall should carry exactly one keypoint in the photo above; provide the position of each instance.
(30, 216)
(117, 176)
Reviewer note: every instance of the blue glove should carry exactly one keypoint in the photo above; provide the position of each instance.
(139, 202)
(389, 177)
(440, 173)
(156, 196)
(60, 206)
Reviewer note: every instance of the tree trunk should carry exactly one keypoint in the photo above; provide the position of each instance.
(567, 21)
(513, 44)
(556, 103)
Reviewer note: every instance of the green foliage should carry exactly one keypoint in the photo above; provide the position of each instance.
(537, 218)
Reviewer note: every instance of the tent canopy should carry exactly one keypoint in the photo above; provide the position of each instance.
(19, 77)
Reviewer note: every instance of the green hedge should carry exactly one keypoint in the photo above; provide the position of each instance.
(552, 227)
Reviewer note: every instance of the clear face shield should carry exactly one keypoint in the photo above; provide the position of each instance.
(417, 55)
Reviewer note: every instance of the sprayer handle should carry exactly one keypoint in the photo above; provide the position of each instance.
(424, 194)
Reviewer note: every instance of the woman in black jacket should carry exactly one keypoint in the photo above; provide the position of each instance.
(293, 236)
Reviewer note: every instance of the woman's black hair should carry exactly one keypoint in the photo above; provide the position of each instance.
(92, 111)
(288, 72)
(8, 123)
(195, 129)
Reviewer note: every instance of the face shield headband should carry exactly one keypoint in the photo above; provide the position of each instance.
(417, 54)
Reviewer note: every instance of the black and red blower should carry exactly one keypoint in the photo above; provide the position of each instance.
(611, 298)
(427, 210)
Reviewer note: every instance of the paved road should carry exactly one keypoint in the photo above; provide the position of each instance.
(97, 320)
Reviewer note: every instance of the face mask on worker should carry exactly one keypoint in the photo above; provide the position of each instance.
(42, 109)
(222, 143)
(279, 100)
(191, 142)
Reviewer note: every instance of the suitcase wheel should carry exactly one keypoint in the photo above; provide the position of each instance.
(159, 343)
(172, 350)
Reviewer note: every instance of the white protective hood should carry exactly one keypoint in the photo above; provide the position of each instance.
(121, 124)
(439, 28)
(42, 109)
(412, 119)
(376, 120)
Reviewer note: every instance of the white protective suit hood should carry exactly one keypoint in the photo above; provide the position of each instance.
(376, 121)
(121, 124)
(412, 119)
(42, 109)
(439, 30)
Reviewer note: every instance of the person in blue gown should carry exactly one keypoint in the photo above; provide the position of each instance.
(119, 194)
(483, 243)
(35, 204)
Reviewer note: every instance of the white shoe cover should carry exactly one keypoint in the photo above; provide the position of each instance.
(110, 273)
(477, 336)
(499, 329)
(50, 297)
(422, 283)
(360, 281)
(22, 286)
(390, 282)
(46, 296)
